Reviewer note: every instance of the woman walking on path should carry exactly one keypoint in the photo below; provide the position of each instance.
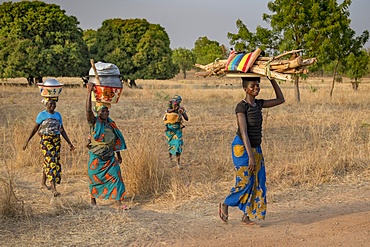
(106, 140)
(173, 121)
(249, 192)
(49, 126)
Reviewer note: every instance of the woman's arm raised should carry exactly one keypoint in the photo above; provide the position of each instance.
(279, 96)
(89, 113)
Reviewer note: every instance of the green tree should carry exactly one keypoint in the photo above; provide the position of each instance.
(357, 66)
(141, 50)
(183, 58)
(338, 39)
(89, 36)
(207, 51)
(289, 22)
(245, 40)
(293, 20)
(39, 39)
(319, 27)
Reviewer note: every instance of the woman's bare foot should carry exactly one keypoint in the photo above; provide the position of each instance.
(56, 193)
(93, 201)
(44, 186)
(54, 189)
(43, 182)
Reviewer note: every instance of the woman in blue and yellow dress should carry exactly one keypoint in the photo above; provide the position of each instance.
(249, 192)
(49, 126)
(173, 118)
(106, 142)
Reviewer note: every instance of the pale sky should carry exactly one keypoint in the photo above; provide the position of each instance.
(187, 20)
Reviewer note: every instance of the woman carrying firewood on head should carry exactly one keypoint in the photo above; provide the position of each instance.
(249, 192)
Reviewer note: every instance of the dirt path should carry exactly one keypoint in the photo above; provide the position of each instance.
(331, 215)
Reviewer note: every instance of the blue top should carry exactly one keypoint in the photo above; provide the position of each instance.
(50, 123)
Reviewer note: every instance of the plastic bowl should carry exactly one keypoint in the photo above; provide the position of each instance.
(106, 94)
(50, 88)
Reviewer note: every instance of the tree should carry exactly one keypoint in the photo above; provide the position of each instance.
(141, 50)
(338, 39)
(356, 67)
(207, 51)
(293, 20)
(89, 36)
(319, 27)
(245, 40)
(290, 21)
(183, 58)
(39, 39)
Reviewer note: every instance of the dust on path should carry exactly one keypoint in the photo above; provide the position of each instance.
(329, 215)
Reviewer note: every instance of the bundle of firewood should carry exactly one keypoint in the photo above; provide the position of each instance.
(273, 67)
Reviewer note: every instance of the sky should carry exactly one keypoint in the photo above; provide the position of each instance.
(187, 20)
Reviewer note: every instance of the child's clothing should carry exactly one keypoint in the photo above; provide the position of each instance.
(173, 114)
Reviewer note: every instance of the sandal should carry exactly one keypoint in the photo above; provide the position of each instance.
(223, 211)
(247, 221)
(123, 207)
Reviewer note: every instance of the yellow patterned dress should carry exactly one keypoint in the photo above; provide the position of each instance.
(50, 144)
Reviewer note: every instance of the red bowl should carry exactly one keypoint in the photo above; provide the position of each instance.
(106, 94)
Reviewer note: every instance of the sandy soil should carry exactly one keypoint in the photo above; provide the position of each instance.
(330, 215)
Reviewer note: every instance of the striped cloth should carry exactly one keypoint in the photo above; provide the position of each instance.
(239, 62)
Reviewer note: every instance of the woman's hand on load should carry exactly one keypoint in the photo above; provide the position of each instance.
(71, 147)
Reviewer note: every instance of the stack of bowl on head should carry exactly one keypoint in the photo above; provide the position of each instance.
(50, 88)
(108, 86)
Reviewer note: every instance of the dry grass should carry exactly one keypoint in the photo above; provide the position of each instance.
(10, 205)
(318, 141)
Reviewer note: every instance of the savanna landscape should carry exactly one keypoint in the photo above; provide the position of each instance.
(317, 155)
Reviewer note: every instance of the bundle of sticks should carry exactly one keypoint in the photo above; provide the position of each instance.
(272, 67)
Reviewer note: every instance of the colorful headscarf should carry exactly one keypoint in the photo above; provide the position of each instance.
(100, 105)
(47, 99)
(177, 98)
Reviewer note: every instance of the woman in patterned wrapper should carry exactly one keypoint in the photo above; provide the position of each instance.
(106, 142)
(249, 192)
(173, 118)
(49, 126)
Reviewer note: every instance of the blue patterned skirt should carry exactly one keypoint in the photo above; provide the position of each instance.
(105, 178)
(174, 138)
(249, 192)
